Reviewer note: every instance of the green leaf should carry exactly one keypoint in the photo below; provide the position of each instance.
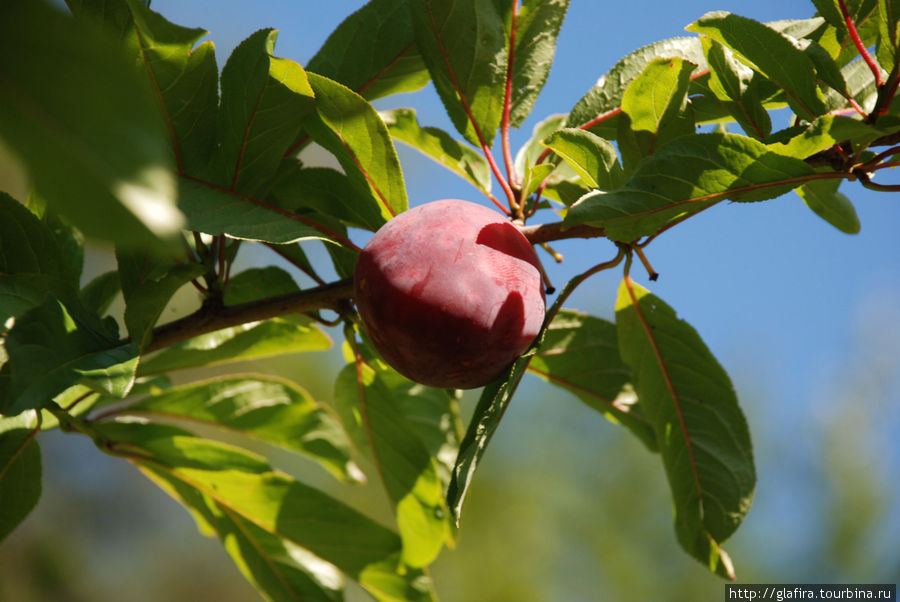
(580, 353)
(264, 407)
(258, 283)
(350, 128)
(701, 432)
(275, 566)
(733, 82)
(465, 48)
(440, 146)
(20, 477)
(373, 52)
(593, 158)
(655, 109)
(185, 80)
(216, 210)
(98, 294)
(607, 94)
(264, 102)
(825, 132)
(372, 415)
(331, 193)
(537, 27)
(245, 486)
(687, 176)
(529, 152)
(492, 404)
(250, 341)
(84, 123)
(823, 198)
(148, 284)
(769, 52)
(50, 350)
(32, 261)
(888, 23)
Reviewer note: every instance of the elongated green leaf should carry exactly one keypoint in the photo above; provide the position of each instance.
(888, 22)
(580, 353)
(331, 193)
(20, 477)
(373, 52)
(98, 294)
(770, 53)
(823, 198)
(701, 431)
(825, 132)
(216, 210)
(264, 407)
(593, 158)
(411, 475)
(527, 155)
(245, 486)
(50, 350)
(85, 125)
(732, 81)
(348, 126)
(685, 177)
(655, 110)
(607, 95)
(465, 48)
(148, 283)
(440, 146)
(536, 29)
(275, 566)
(264, 102)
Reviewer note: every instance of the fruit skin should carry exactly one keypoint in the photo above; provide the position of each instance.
(450, 293)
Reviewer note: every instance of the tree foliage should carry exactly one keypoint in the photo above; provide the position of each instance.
(131, 134)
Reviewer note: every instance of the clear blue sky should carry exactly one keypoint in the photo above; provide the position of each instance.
(784, 300)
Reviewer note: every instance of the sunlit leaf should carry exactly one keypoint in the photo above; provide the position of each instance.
(464, 46)
(733, 82)
(327, 191)
(593, 158)
(439, 146)
(823, 198)
(245, 486)
(373, 52)
(685, 177)
(770, 53)
(348, 126)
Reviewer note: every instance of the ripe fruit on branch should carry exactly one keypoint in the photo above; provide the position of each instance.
(450, 293)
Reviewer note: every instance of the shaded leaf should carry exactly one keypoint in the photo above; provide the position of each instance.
(701, 432)
(98, 294)
(440, 146)
(85, 125)
(373, 52)
(823, 198)
(350, 128)
(264, 407)
(580, 353)
(769, 52)
(148, 284)
(465, 48)
(216, 210)
(264, 102)
(331, 193)
(685, 177)
(50, 350)
(245, 486)
(20, 477)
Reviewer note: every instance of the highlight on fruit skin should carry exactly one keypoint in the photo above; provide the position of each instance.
(450, 293)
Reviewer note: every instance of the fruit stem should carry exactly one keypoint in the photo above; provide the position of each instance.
(507, 103)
